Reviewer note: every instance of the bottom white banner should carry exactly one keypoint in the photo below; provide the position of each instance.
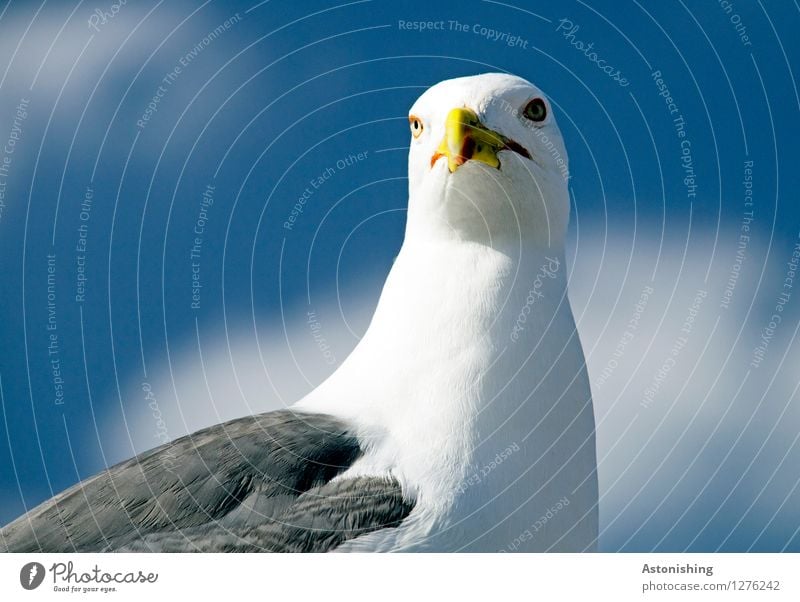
(399, 577)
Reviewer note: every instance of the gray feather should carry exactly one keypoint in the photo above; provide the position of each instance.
(261, 482)
(318, 521)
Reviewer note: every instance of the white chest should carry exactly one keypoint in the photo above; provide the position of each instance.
(473, 393)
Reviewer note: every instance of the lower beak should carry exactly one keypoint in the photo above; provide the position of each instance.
(466, 138)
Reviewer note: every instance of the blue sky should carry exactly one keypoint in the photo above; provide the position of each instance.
(259, 105)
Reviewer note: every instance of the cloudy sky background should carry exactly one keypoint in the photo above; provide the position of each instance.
(285, 90)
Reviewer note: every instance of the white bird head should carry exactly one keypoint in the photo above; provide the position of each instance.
(487, 164)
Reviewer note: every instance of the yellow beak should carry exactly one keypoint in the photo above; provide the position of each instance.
(466, 138)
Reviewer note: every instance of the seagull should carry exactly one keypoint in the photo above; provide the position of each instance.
(463, 419)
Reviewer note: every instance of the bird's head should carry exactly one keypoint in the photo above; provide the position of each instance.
(487, 163)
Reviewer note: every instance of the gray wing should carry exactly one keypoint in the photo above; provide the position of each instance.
(256, 483)
(318, 521)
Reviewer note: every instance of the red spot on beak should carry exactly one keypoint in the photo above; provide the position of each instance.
(464, 154)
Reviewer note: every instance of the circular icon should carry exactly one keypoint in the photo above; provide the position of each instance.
(31, 575)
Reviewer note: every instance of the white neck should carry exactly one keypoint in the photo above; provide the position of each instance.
(448, 373)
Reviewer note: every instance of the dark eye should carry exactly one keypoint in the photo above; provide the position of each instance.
(416, 126)
(535, 110)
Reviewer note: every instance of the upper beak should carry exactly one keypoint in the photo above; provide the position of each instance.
(467, 138)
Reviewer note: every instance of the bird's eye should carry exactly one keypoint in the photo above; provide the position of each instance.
(416, 126)
(535, 110)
